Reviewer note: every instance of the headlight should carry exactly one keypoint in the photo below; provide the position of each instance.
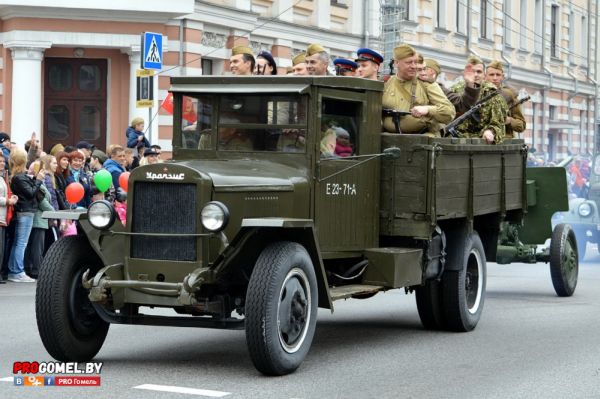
(214, 216)
(585, 209)
(101, 215)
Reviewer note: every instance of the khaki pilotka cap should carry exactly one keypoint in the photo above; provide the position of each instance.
(419, 58)
(315, 48)
(241, 50)
(403, 51)
(299, 59)
(496, 65)
(433, 64)
(474, 60)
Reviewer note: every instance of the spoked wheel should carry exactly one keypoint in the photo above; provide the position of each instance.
(564, 260)
(463, 290)
(281, 308)
(68, 325)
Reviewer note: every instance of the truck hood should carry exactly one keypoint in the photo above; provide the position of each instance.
(248, 174)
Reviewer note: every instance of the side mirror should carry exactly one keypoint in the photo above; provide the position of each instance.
(392, 153)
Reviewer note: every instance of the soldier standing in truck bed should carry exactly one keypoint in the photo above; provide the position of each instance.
(429, 107)
(461, 103)
(489, 124)
(515, 121)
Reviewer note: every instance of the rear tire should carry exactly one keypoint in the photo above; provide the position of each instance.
(463, 290)
(429, 305)
(68, 324)
(564, 260)
(281, 308)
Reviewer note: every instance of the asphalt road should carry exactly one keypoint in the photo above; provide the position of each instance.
(528, 344)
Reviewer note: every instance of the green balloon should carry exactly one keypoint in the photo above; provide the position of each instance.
(102, 180)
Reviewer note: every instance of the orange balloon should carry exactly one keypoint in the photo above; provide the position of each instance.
(74, 193)
(124, 180)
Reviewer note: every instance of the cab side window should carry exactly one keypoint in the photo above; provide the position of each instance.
(339, 128)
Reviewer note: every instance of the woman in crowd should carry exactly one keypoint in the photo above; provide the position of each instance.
(50, 166)
(7, 199)
(61, 175)
(35, 247)
(77, 159)
(27, 190)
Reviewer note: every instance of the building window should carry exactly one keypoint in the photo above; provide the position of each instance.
(554, 25)
(461, 17)
(572, 37)
(485, 22)
(405, 9)
(507, 23)
(523, 25)
(207, 67)
(584, 38)
(441, 14)
(539, 23)
(552, 113)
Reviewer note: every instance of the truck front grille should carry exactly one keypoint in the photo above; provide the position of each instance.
(164, 208)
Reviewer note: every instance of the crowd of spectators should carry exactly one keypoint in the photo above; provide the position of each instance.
(33, 181)
(578, 171)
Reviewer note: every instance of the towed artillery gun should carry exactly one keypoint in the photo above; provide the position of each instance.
(257, 222)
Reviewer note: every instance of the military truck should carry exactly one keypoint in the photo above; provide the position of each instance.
(284, 196)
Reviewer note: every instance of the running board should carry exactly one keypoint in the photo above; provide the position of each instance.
(347, 291)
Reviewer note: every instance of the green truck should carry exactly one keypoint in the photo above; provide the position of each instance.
(282, 197)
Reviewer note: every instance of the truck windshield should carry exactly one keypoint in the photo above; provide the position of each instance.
(240, 122)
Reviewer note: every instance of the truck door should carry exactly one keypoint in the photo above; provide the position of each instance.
(346, 199)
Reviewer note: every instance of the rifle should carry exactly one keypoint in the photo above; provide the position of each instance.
(451, 127)
(396, 115)
(519, 102)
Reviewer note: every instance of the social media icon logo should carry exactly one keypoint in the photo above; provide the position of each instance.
(19, 381)
(33, 381)
(49, 381)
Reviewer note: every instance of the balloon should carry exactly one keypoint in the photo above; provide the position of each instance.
(74, 193)
(124, 180)
(102, 180)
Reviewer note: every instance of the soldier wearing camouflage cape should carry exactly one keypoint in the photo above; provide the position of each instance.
(492, 115)
(429, 107)
(515, 121)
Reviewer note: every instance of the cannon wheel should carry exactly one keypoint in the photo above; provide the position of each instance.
(564, 260)
(68, 324)
(281, 308)
(429, 305)
(463, 290)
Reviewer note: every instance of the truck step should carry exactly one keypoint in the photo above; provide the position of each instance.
(347, 291)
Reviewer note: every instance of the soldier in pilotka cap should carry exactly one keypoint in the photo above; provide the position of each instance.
(299, 64)
(368, 63)
(492, 115)
(429, 107)
(515, 121)
(344, 67)
(241, 61)
(462, 103)
(317, 60)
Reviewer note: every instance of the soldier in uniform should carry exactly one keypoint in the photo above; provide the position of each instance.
(462, 103)
(490, 122)
(429, 107)
(241, 61)
(299, 64)
(515, 121)
(317, 60)
(368, 63)
(344, 67)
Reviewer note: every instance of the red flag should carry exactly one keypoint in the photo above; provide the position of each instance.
(189, 114)
(167, 103)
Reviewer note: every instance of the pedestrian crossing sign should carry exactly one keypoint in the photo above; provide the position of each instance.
(152, 53)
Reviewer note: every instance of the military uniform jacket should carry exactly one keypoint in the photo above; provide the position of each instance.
(492, 114)
(517, 124)
(402, 95)
(462, 103)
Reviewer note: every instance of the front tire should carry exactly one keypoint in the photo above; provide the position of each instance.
(564, 260)
(281, 308)
(68, 324)
(464, 289)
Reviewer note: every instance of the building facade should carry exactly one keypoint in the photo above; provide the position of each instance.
(68, 68)
(549, 49)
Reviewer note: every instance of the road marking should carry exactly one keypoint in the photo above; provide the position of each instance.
(7, 379)
(190, 391)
